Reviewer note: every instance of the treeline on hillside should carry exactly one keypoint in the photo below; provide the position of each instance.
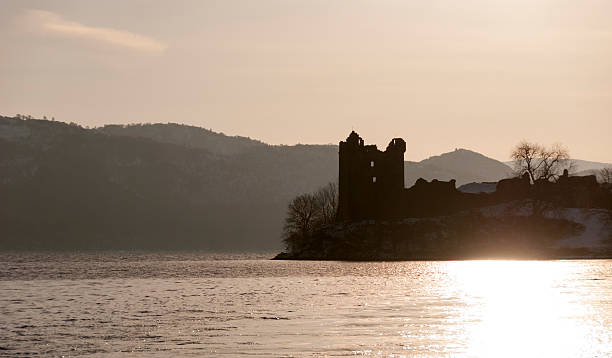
(67, 187)
(167, 186)
(184, 135)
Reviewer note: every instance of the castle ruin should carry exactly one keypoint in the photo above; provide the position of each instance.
(371, 186)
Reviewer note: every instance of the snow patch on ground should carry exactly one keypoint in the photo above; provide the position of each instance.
(597, 223)
(515, 208)
(597, 232)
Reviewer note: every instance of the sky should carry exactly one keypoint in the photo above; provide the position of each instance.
(475, 74)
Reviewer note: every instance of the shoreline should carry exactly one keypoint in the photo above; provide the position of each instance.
(287, 257)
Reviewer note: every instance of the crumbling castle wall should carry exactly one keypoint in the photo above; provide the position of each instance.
(367, 177)
(371, 186)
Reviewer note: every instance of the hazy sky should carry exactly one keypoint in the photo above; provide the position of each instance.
(480, 75)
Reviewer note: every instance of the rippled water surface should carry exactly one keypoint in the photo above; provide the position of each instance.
(241, 305)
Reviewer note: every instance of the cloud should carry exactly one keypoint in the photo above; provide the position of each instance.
(53, 24)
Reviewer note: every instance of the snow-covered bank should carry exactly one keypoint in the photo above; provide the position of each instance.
(597, 223)
(509, 230)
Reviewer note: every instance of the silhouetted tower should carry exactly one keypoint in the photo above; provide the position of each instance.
(369, 178)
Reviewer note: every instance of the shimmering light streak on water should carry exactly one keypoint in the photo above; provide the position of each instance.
(532, 308)
(240, 305)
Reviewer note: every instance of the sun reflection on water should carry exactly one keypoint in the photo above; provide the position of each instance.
(520, 309)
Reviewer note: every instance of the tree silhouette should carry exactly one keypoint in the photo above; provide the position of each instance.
(539, 162)
(307, 213)
(605, 175)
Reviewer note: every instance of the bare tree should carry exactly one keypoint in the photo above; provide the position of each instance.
(605, 175)
(539, 162)
(307, 213)
(301, 215)
(327, 201)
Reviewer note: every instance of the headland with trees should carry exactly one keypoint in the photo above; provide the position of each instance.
(541, 211)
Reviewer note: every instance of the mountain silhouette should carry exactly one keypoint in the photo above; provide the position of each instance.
(465, 166)
(167, 186)
(189, 136)
(66, 187)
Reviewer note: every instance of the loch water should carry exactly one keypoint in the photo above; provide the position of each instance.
(181, 304)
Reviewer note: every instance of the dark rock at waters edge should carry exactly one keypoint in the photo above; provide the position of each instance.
(500, 232)
(284, 256)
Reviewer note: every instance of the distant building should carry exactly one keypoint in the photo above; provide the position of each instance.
(371, 186)
(368, 176)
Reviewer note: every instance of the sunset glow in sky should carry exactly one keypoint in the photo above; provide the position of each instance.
(477, 74)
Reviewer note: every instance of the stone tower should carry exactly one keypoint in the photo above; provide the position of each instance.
(369, 179)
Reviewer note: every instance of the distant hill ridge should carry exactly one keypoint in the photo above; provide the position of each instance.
(168, 186)
(463, 165)
(181, 134)
(580, 167)
(67, 187)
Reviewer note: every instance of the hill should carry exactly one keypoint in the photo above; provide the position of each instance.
(581, 167)
(465, 166)
(66, 187)
(585, 165)
(167, 186)
(189, 136)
